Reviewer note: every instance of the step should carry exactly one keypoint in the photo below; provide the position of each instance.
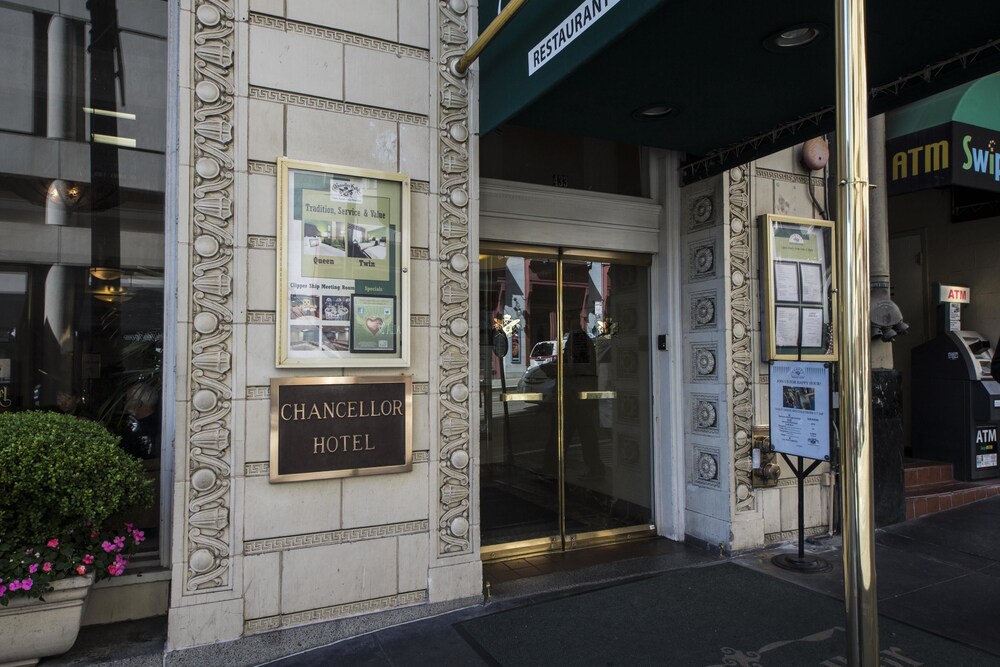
(928, 499)
(919, 473)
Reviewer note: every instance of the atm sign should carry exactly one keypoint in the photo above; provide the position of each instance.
(953, 294)
(986, 447)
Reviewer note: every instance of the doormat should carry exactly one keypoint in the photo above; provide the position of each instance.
(714, 616)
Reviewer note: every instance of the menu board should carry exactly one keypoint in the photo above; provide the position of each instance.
(800, 408)
(797, 277)
(343, 252)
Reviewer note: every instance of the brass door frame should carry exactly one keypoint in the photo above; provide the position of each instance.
(563, 541)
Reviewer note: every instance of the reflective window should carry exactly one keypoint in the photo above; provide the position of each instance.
(82, 160)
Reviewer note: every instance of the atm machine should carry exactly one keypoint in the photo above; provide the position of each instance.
(955, 399)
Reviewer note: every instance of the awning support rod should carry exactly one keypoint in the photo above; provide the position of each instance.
(855, 356)
(492, 30)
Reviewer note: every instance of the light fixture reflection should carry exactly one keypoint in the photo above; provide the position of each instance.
(105, 273)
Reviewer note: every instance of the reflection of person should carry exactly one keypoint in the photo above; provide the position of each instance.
(579, 375)
(142, 435)
(72, 403)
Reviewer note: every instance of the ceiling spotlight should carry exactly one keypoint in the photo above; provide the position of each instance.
(793, 37)
(652, 112)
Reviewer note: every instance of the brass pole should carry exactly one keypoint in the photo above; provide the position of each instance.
(853, 310)
(492, 30)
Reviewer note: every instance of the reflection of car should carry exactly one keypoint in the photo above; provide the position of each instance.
(540, 379)
(543, 351)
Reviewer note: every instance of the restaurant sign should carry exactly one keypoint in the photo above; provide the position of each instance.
(324, 427)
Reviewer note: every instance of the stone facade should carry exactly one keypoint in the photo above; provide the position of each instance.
(365, 85)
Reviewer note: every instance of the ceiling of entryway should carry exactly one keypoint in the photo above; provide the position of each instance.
(707, 59)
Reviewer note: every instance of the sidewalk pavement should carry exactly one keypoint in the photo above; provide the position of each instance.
(939, 574)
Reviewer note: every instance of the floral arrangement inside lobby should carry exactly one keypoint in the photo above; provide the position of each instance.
(65, 486)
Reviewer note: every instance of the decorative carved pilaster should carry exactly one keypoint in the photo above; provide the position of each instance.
(207, 532)
(454, 512)
(740, 353)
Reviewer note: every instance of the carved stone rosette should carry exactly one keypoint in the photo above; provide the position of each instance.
(455, 520)
(209, 432)
(741, 354)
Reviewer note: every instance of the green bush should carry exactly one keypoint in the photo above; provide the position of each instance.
(58, 472)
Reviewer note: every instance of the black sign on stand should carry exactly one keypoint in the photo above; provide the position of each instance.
(328, 427)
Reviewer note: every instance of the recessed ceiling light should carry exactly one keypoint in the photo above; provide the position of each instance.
(793, 36)
(652, 111)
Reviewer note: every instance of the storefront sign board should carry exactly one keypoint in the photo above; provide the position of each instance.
(343, 267)
(328, 427)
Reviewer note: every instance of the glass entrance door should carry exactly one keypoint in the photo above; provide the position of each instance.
(565, 402)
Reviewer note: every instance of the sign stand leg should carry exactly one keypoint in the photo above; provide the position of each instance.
(801, 562)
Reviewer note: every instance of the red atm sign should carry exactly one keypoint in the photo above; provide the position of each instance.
(953, 294)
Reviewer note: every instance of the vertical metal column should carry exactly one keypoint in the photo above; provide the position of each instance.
(855, 362)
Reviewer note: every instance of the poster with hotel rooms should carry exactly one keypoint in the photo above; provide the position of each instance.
(343, 251)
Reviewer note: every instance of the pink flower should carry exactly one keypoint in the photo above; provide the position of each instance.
(3, 589)
(47, 567)
(87, 559)
(107, 546)
(116, 569)
(138, 536)
(81, 570)
(33, 568)
(129, 527)
(26, 584)
(52, 544)
(119, 543)
(94, 533)
(15, 585)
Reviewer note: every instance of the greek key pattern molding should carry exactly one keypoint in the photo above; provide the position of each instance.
(741, 349)
(337, 611)
(263, 468)
(455, 508)
(271, 545)
(259, 167)
(310, 102)
(352, 39)
(260, 242)
(207, 534)
(790, 178)
(260, 317)
(787, 535)
(258, 391)
(260, 469)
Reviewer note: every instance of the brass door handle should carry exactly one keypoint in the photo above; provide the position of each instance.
(508, 397)
(594, 395)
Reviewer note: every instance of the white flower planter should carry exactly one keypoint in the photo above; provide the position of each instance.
(31, 629)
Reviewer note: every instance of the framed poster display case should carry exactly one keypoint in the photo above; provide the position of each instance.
(343, 267)
(797, 278)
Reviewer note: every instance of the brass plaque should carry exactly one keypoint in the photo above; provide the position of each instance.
(323, 427)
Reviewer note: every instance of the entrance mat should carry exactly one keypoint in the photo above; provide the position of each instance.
(710, 616)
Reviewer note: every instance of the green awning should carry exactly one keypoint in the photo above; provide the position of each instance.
(544, 42)
(947, 139)
(976, 103)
